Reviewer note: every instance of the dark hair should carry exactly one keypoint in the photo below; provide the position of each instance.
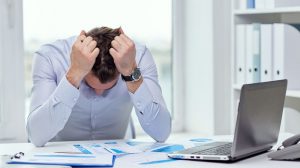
(104, 67)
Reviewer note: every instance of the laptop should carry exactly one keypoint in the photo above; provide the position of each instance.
(257, 125)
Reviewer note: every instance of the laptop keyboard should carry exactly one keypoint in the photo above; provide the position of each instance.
(224, 149)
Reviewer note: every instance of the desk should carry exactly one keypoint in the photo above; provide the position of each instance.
(260, 161)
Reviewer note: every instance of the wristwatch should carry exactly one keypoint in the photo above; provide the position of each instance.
(134, 76)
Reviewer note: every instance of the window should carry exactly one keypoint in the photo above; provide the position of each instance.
(147, 21)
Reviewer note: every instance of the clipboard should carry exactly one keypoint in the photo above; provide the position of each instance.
(74, 160)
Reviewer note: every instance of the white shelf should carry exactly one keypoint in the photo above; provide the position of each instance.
(288, 10)
(285, 15)
(289, 93)
(293, 93)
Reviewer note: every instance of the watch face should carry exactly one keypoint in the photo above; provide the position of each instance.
(136, 74)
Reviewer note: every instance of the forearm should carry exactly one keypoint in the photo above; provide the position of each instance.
(132, 86)
(152, 112)
(157, 123)
(47, 119)
(44, 123)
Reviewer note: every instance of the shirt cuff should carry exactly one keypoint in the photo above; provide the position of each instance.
(66, 93)
(142, 97)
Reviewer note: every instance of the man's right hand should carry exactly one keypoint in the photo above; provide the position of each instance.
(83, 56)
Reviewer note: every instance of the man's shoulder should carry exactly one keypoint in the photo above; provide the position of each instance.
(58, 47)
(140, 49)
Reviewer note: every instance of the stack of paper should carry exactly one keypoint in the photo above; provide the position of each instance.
(130, 147)
(126, 153)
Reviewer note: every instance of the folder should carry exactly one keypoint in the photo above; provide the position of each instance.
(286, 54)
(242, 4)
(249, 54)
(250, 4)
(281, 3)
(259, 4)
(240, 55)
(253, 53)
(75, 160)
(256, 52)
(266, 42)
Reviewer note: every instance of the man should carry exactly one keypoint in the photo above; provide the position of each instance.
(84, 88)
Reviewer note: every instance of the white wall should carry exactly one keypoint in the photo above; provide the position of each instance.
(199, 66)
(205, 68)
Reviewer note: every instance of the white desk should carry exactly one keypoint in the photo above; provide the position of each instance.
(260, 161)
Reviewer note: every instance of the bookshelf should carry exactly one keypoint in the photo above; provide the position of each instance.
(263, 16)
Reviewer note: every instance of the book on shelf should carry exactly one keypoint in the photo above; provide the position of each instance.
(256, 52)
(270, 4)
(286, 54)
(250, 4)
(252, 53)
(240, 56)
(266, 42)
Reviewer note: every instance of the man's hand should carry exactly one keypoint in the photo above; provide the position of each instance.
(123, 52)
(83, 56)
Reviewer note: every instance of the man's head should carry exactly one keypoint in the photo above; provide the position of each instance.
(104, 72)
(104, 68)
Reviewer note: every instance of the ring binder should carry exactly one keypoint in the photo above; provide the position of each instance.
(17, 155)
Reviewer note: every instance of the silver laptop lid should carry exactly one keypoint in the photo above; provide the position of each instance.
(259, 117)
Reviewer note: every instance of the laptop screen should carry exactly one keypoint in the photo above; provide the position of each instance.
(259, 117)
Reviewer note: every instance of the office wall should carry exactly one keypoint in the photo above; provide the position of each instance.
(206, 67)
(198, 56)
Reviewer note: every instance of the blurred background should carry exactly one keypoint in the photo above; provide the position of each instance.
(189, 41)
(147, 22)
(193, 43)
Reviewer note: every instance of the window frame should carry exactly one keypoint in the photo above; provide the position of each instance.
(178, 69)
(12, 126)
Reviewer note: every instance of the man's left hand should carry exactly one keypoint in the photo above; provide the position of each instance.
(123, 51)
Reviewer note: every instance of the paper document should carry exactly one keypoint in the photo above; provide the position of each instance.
(131, 147)
(90, 149)
(64, 159)
(143, 159)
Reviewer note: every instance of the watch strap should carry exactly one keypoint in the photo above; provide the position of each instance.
(127, 78)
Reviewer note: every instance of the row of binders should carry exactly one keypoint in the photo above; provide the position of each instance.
(265, 52)
(267, 4)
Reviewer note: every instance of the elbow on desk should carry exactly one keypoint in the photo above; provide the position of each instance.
(35, 140)
(38, 144)
(163, 137)
(163, 132)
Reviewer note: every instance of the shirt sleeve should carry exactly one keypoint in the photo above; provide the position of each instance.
(51, 102)
(149, 103)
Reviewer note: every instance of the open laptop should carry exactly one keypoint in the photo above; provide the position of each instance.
(257, 125)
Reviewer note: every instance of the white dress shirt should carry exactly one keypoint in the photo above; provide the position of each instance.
(60, 112)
